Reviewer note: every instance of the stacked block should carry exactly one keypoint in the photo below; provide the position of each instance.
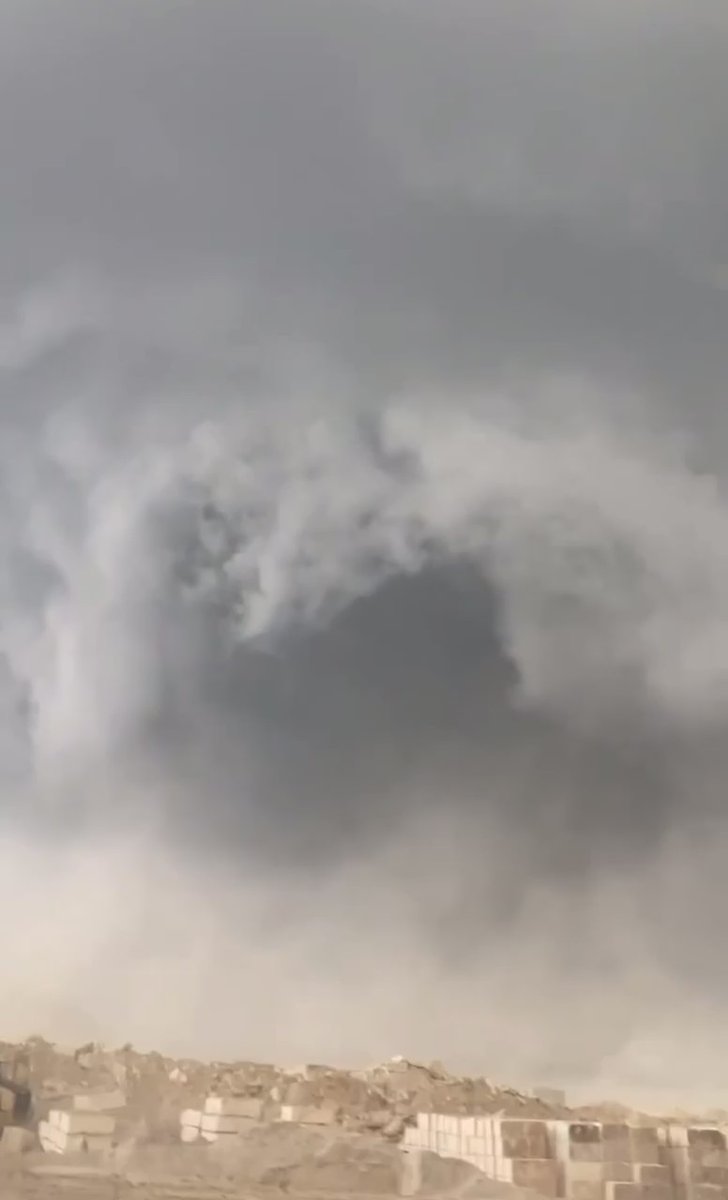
(76, 1132)
(222, 1116)
(599, 1159)
(523, 1154)
(582, 1160)
(511, 1151)
(698, 1160)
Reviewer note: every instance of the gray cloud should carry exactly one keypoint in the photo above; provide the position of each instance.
(363, 524)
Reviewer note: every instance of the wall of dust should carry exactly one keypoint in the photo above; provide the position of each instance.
(363, 556)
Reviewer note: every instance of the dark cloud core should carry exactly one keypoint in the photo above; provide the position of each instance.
(363, 522)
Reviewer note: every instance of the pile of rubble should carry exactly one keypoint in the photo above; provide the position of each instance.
(398, 1128)
(153, 1090)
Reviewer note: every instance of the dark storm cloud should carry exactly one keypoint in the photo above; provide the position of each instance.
(363, 494)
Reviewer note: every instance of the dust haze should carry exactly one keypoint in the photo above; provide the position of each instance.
(364, 532)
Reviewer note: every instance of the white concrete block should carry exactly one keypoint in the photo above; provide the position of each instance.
(46, 1136)
(99, 1101)
(84, 1123)
(234, 1106)
(189, 1133)
(307, 1114)
(560, 1141)
(217, 1123)
(55, 1140)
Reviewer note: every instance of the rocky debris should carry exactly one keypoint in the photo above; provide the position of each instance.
(152, 1090)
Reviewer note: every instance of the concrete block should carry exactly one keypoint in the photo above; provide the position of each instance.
(706, 1137)
(217, 1123)
(577, 1141)
(423, 1121)
(559, 1139)
(99, 1101)
(616, 1142)
(468, 1127)
(704, 1173)
(55, 1140)
(189, 1133)
(645, 1144)
(16, 1140)
(652, 1175)
(307, 1114)
(581, 1178)
(622, 1191)
(584, 1190)
(585, 1133)
(410, 1182)
(586, 1152)
(190, 1116)
(658, 1191)
(81, 1143)
(234, 1106)
(46, 1136)
(618, 1172)
(539, 1175)
(706, 1156)
(576, 1173)
(707, 1191)
(85, 1124)
(521, 1139)
(674, 1135)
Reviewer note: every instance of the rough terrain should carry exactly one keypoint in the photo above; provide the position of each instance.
(356, 1155)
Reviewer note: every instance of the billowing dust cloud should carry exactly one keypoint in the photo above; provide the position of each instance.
(364, 534)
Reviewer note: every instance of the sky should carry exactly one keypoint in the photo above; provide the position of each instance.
(364, 532)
